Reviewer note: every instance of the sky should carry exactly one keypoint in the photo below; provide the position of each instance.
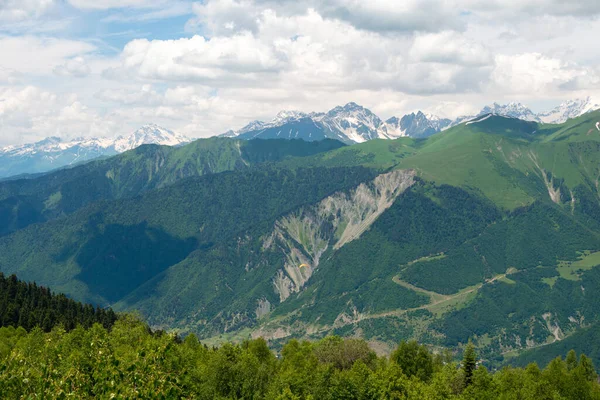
(72, 68)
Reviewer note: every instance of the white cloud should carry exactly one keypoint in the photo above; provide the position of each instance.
(31, 113)
(19, 10)
(223, 17)
(385, 16)
(504, 9)
(75, 67)
(198, 59)
(308, 52)
(450, 48)
(107, 4)
(38, 55)
(398, 16)
(534, 74)
(8, 76)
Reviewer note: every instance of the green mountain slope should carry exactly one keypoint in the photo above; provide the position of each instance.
(512, 162)
(587, 339)
(488, 231)
(102, 251)
(27, 201)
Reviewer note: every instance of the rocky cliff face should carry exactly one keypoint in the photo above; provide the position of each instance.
(304, 236)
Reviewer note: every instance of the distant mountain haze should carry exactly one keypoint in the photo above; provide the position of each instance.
(54, 152)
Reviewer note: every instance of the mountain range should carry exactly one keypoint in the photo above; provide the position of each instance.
(488, 231)
(54, 152)
(353, 123)
(349, 124)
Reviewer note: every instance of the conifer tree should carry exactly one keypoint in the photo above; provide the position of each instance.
(469, 364)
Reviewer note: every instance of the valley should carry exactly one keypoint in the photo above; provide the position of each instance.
(300, 200)
(489, 231)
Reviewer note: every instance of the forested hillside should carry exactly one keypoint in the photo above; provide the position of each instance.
(489, 232)
(28, 201)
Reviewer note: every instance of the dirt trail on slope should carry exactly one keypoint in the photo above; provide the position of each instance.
(441, 298)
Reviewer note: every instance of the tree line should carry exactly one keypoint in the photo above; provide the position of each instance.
(53, 347)
(132, 362)
(28, 305)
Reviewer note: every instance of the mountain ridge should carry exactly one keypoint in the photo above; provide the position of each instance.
(353, 123)
(54, 152)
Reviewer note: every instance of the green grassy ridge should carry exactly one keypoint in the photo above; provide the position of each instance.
(496, 157)
(378, 154)
(501, 165)
(148, 167)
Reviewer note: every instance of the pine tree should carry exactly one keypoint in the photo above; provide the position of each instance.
(469, 364)
(28, 305)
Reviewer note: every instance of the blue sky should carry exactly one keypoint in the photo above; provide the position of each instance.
(105, 67)
(110, 28)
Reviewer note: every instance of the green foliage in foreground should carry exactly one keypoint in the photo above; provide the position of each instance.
(132, 362)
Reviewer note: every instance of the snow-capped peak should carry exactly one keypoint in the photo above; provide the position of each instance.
(285, 116)
(417, 124)
(54, 152)
(252, 126)
(570, 109)
(353, 123)
(512, 109)
(357, 123)
(149, 134)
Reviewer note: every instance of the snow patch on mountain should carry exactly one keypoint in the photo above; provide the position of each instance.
(415, 125)
(480, 119)
(570, 109)
(394, 129)
(54, 152)
(147, 134)
(283, 117)
(353, 123)
(513, 110)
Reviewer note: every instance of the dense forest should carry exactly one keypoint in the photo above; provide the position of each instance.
(131, 362)
(54, 347)
(28, 305)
